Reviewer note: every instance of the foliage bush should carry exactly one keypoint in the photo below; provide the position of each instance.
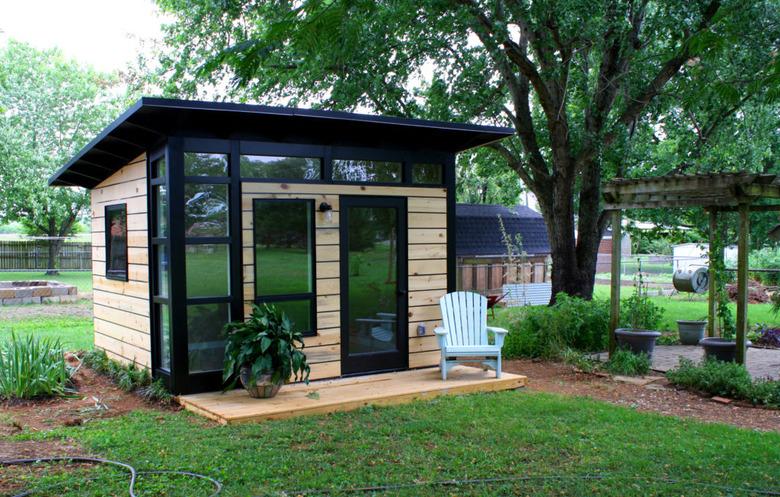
(765, 258)
(546, 331)
(626, 363)
(127, 377)
(32, 367)
(725, 379)
(580, 361)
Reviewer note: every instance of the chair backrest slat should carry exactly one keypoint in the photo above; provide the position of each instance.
(465, 318)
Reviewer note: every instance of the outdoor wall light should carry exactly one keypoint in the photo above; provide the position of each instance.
(327, 209)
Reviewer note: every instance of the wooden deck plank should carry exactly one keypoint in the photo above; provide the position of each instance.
(345, 394)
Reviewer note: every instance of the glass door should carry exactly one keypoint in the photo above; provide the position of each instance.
(374, 334)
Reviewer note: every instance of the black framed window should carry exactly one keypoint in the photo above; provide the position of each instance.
(207, 239)
(279, 167)
(161, 281)
(367, 171)
(427, 174)
(116, 241)
(284, 258)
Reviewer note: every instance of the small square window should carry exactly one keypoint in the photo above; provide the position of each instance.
(116, 242)
(427, 174)
(366, 171)
(198, 164)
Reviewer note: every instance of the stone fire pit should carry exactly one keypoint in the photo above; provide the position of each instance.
(36, 292)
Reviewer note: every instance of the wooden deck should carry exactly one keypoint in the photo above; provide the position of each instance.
(345, 394)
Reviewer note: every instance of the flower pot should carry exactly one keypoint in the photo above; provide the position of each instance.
(691, 332)
(637, 341)
(722, 349)
(263, 387)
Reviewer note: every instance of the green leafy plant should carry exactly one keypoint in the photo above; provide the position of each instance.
(128, 377)
(580, 361)
(725, 379)
(546, 331)
(641, 313)
(626, 363)
(717, 270)
(32, 367)
(267, 344)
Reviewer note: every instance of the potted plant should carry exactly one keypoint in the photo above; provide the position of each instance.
(264, 352)
(691, 332)
(642, 317)
(724, 347)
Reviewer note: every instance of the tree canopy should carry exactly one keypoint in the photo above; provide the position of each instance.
(594, 89)
(49, 108)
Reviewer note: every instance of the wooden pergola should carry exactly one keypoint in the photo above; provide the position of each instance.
(715, 193)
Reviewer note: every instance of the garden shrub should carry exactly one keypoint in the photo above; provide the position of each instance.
(580, 360)
(766, 258)
(127, 377)
(32, 367)
(626, 363)
(725, 379)
(546, 331)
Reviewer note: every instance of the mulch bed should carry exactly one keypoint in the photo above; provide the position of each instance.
(658, 396)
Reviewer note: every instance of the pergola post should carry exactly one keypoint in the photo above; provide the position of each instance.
(712, 284)
(742, 279)
(614, 291)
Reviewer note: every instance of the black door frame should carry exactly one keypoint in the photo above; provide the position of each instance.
(369, 363)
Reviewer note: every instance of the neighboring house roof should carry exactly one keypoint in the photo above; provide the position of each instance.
(478, 233)
(151, 120)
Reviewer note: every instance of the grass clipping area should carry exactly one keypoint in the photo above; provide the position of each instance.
(508, 443)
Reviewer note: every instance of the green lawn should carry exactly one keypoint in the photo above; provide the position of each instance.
(82, 279)
(503, 435)
(74, 332)
(691, 307)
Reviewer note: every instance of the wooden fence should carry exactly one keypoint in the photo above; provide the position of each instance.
(490, 278)
(33, 255)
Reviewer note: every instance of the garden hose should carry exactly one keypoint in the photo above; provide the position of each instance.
(94, 460)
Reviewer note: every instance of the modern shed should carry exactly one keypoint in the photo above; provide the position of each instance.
(200, 209)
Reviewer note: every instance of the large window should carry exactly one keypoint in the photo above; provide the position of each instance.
(366, 171)
(116, 242)
(273, 167)
(284, 258)
(160, 266)
(206, 257)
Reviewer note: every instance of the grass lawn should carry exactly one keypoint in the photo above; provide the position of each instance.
(82, 279)
(691, 307)
(74, 332)
(507, 434)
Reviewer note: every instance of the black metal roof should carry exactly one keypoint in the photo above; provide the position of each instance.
(478, 233)
(151, 120)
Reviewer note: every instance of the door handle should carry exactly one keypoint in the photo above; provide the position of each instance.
(403, 292)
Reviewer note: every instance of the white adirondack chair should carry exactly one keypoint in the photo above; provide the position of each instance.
(464, 336)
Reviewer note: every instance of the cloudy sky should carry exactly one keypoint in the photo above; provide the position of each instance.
(105, 34)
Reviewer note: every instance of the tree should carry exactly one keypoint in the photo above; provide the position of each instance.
(575, 79)
(49, 108)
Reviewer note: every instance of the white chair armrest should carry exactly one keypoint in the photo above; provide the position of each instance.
(441, 335)
(500, 334)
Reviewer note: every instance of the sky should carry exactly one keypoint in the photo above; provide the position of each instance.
(105, 34)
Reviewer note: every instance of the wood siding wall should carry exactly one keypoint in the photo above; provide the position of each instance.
(121, 309)
(427, 266)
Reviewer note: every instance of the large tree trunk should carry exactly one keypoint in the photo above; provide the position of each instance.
(574, 252)
(55, 244)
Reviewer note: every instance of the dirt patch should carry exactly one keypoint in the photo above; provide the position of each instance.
(96, 397)
(658, 396)
(82, 308)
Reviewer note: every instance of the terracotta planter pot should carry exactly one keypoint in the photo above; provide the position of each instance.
(637, 341)
(262, 389)
(721, 349)
(691, 332)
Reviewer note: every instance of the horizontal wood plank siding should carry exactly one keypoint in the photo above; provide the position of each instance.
(121, 309)
(427, 267)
